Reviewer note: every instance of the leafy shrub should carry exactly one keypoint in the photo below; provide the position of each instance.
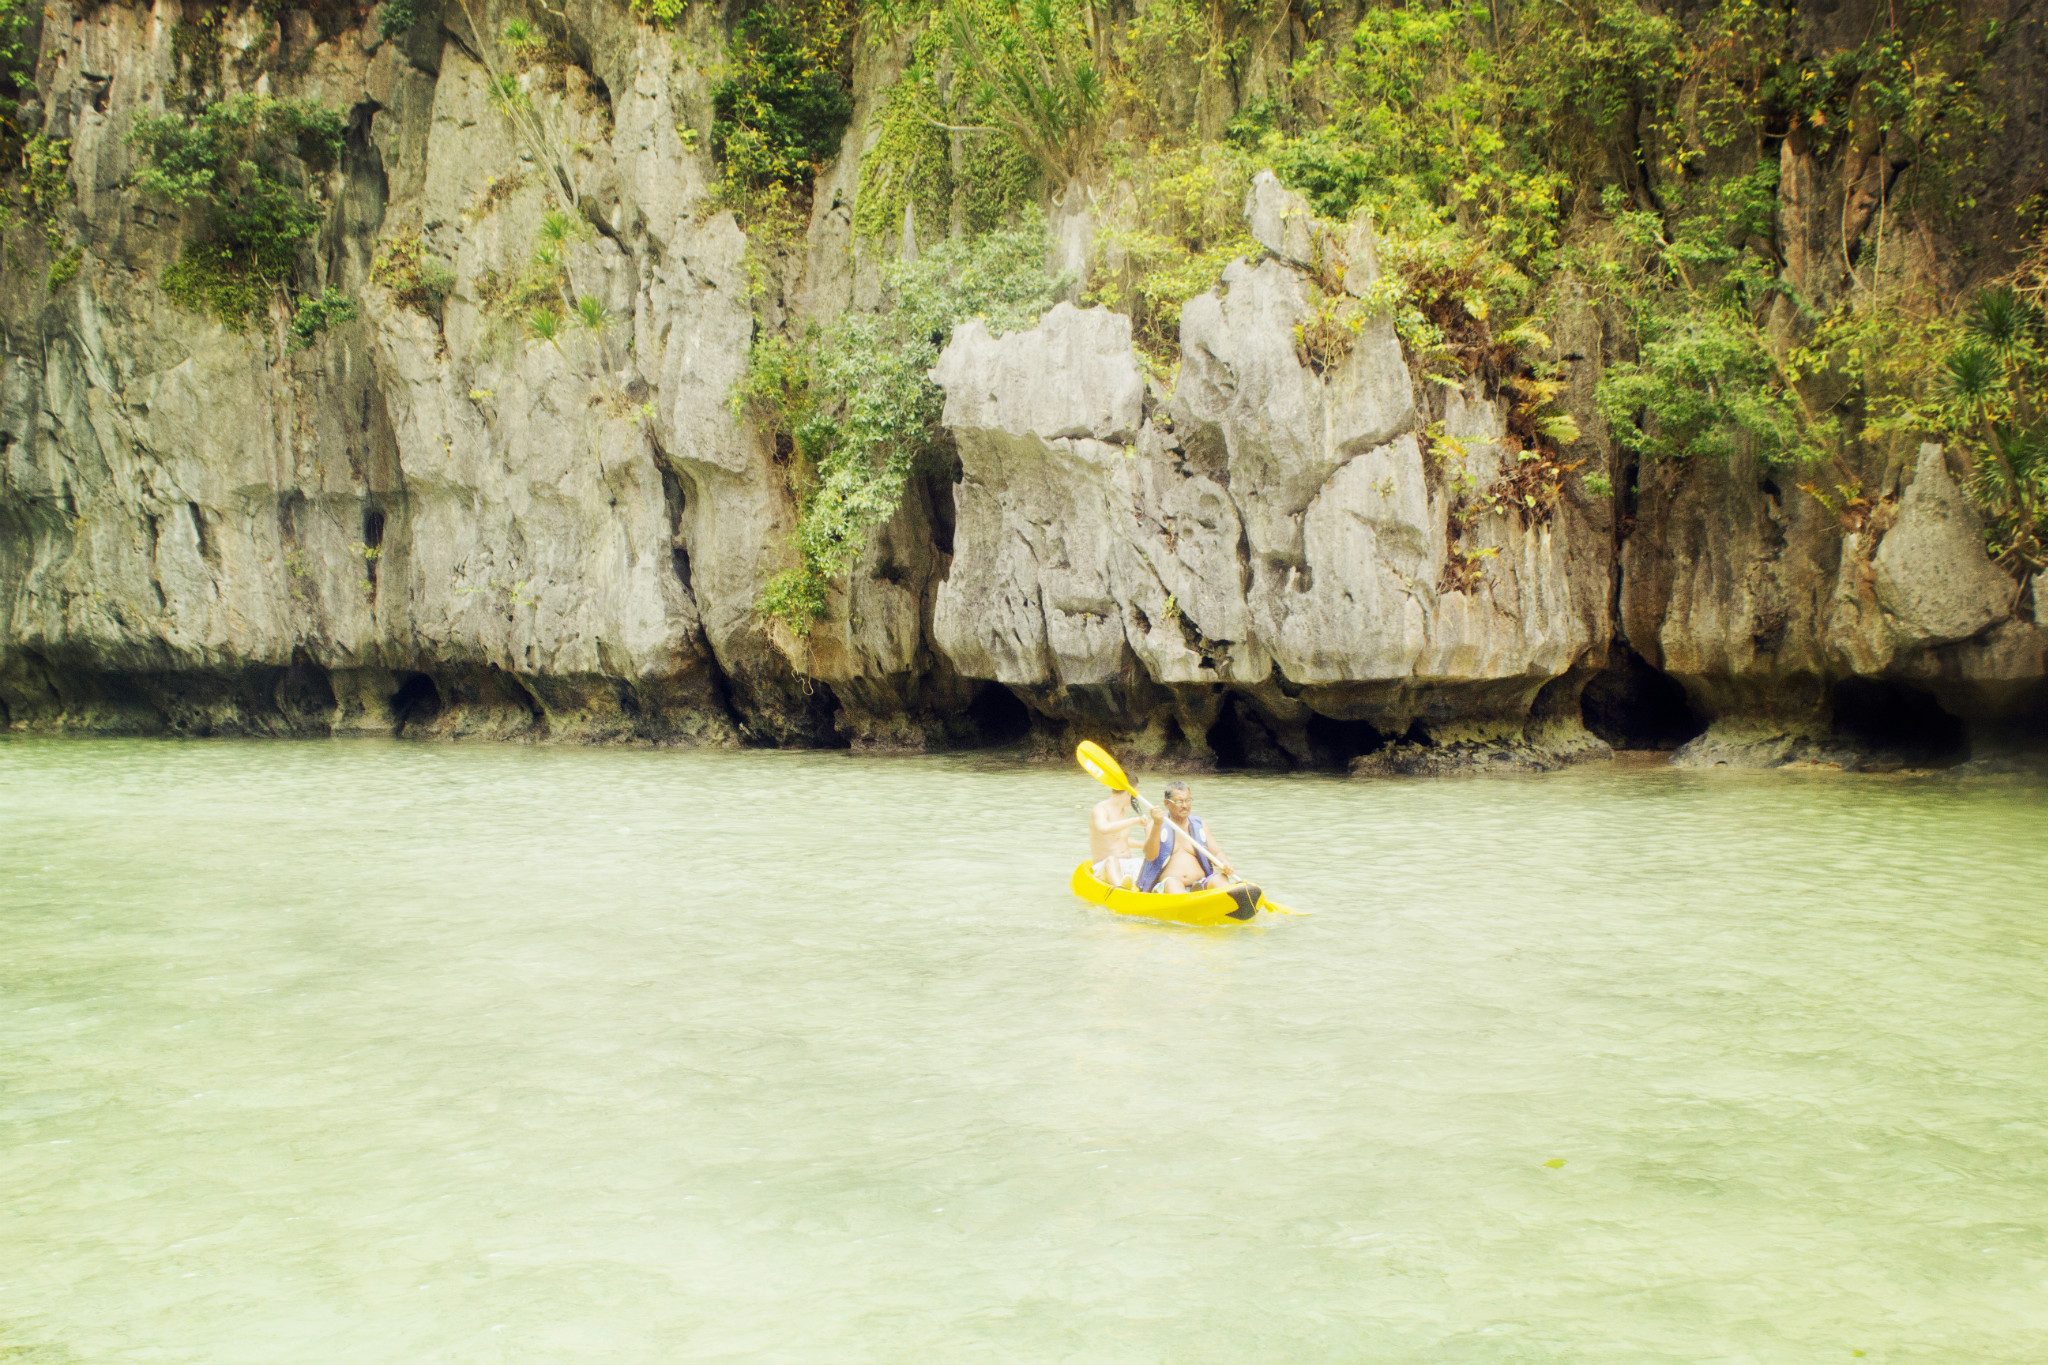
(1021, 84)
(64, 269)
(1328, 332)
(1707, 385)
(240, 158)
(17, 84)
(660, 12)
(776, 388)
(1708, 380)
(998, 181)
(855, 407)
(17, 58)
(784, 103)
(399, 15)
(196, 58)
(910, 162)
(46, 183)
(209, 278)
(1334, 169)
(1424, 132)
(1176, 223)
(316, 315)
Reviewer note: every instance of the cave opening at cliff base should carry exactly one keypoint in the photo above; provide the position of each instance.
(1334, 743)
(1226, 738)
(998, 715)
(1240, 738)
(416, 702)
(1897, 720)
(1632, 704)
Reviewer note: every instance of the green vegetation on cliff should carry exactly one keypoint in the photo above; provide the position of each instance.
(17, 66)
(1742, 196)
(34, 167)
(783, 105)
(1990, 386)
(852, 410)
(246, 161)
(399, 15)
(781, 108)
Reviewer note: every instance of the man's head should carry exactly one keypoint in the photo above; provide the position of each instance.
(1179, 801)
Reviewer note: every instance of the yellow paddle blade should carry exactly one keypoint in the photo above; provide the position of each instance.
(1267, 905)
(1095, 760)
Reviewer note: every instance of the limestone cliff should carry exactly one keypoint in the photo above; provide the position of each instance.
(429, 522)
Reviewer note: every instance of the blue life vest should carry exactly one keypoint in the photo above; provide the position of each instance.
(1149, 873)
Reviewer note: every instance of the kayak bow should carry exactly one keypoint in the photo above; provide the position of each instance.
(1238, 904)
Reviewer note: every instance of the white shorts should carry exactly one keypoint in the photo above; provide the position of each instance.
(1112, 871)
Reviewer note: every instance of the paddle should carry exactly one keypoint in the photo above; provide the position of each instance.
(1097, 763)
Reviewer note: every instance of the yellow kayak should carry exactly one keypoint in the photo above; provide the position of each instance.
(1232, 905)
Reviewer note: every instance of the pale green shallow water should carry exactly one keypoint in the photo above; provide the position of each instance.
(363, 1052)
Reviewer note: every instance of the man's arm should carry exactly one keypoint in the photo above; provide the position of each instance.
(1108, 826)
(1152, 835)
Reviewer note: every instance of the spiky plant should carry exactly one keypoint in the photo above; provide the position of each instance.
(591, 314)
(557, 227)
(1031, 66)
(2010, 325)
(545, 324)
(1972, 380)
(506, 94)
(1989, 386)
(523, 38)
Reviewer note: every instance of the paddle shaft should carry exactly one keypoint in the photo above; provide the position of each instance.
(1213, 855)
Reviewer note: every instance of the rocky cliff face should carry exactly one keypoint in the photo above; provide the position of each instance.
(1253, 561)
(430, 523)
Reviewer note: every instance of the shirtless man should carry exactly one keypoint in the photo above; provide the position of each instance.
(1110, 822)
(1172, 864)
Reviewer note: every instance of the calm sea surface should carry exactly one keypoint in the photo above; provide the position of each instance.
(390, 1054)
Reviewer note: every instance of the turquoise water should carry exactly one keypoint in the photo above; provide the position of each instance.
(368, 1052)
